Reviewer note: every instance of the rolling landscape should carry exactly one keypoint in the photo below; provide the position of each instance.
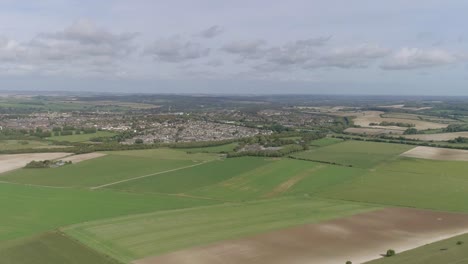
(233, 132)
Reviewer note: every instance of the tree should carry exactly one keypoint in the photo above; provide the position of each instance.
(349, 262)
(138, 141)
(390, 253)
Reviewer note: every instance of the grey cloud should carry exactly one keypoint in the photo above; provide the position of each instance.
(251, 49)
(350, 57)
(80, 47)
(414, 58)
(176, 50)
(211, 32)
(214, 63)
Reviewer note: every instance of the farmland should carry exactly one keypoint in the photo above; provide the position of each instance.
(354, 153)
(167, 231)
(82, 137)
(137, 204)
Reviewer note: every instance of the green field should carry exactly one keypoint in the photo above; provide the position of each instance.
(24, 144)
(215, 149)
(82, 137)
(133, 237)
(325, 142)
(50, 247)
(442, 252)
(30, 210)
(189, 198)
(182, 181)
(439, 185)
(359, 154)
(113, 167)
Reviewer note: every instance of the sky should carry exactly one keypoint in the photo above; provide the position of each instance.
(398, 47)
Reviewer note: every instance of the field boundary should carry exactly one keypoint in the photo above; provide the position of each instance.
(147, 175)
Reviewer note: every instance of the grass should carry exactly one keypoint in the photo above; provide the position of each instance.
(354, 153)
(50, 248)
(24, 144)
(113, 167)
(29, 210)
(134, 237)
(325, 142)
(445, 251)
(187, 180)
(82, 137)
(215, 149)
(431, 184)
(270, 180)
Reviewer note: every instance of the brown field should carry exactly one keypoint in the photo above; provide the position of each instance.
(437, 137)
(436, 153)
(372, 131)
(83, 157)
(16, 161)
(364, 118)
(402, 106)
(358, 238)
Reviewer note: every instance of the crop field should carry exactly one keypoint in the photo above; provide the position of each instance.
(133, 237)
(446, 251)
(359, 154)
(50, 247)
(363, 119)
(32, 210)
(215, 149)
(24, 144)
(113, 167)
(82, 137)
(325, 142)
(360, 237)
(431, 184)
(130, 205)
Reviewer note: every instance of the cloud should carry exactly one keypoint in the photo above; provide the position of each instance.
(349, 57)
(247, 49)
(174, 49)
(214, 63)
(81, 47)
(211, 32)
(414, 58)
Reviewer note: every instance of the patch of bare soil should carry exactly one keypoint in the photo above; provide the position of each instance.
(15, 161)
(436, 153)
(437, 137)
(364, 118)
(83, 157)
(372, 131)
(357, 238)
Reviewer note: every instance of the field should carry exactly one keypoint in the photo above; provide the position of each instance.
(359, 238)
(15, 161)
(436, 153)
(373, 131)
(437, 137)
(215, 149)
(82, 137)
(24, 144)
(133, 237)
(50, 247)
(113, 167)
(33, 210)
(364, 118)
(446, 251)
(420, 183)
(149, 205)
(354, 153)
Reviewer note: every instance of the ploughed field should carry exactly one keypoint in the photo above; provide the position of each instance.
(171, 206)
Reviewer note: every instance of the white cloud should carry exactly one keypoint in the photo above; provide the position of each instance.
(211, 32)
(175, 49)
(414, 58)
